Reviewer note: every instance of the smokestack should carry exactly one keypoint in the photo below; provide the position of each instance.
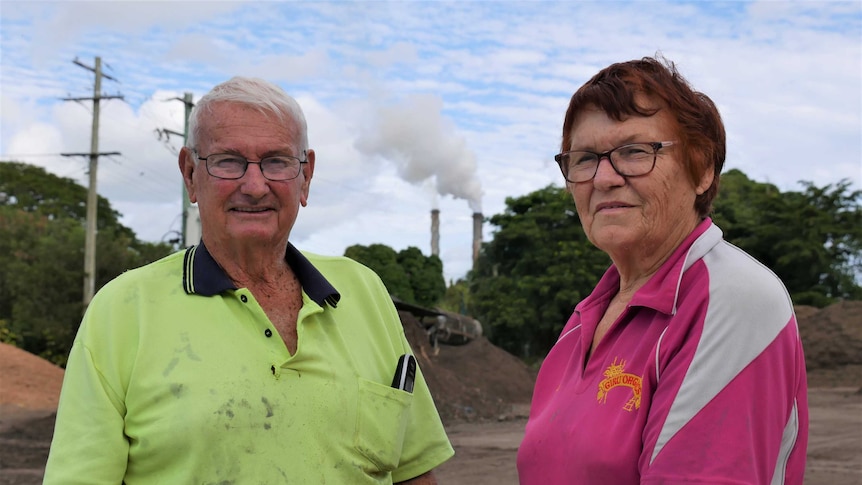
(435, 232)
(477, 236)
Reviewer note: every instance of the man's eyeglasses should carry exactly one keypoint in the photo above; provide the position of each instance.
(231, 167)
(627, 160)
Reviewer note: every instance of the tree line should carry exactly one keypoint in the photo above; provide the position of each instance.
(42, 230)
(526, 281)
(539, 264)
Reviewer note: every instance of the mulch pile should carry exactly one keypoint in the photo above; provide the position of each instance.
(479, 381)
(832, 337)
(473, 381)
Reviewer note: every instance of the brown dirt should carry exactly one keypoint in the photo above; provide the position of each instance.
(475, 381)
(832, 337)
(483, 395)
(28, 381)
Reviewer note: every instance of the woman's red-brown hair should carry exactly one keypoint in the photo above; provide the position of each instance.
(701, 139)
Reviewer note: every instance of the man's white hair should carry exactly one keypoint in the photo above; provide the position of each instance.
(255, 92)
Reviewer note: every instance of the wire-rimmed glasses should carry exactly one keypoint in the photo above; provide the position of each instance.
(231, 166)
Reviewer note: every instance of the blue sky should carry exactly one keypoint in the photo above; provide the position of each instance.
(419, 105)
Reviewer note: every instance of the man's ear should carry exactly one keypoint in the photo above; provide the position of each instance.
(188, 165)
(307, 173)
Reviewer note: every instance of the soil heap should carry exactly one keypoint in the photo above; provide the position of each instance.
(474, 381)
(479, 381)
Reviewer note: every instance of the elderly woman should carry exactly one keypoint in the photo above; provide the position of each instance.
(684, 365)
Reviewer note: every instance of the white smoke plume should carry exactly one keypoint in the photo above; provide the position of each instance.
(424, 146)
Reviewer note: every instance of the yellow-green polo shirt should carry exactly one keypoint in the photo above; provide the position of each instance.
(178, 377)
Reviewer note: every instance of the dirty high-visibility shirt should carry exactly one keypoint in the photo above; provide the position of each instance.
(178, 377)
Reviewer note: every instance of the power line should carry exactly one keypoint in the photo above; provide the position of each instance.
(28, 155)
(154, 184)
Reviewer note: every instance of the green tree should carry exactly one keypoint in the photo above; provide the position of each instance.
(383, 260)
(33, 189)
(456, 299)
(811, 239)
(43, 282)
(539, 263)
(425, 275)
(409, 275)
(42, 257)
(533, 272)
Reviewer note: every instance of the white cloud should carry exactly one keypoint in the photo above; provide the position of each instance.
(495, 78)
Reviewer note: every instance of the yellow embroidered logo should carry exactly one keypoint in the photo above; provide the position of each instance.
(614, 376)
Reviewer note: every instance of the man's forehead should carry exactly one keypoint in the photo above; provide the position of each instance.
(226, 120)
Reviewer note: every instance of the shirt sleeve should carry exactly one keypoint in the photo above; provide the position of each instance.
(426, 445)
(88, 444)
(720, 416)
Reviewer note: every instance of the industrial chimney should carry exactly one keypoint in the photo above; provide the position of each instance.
(477, 236)
(435, 232)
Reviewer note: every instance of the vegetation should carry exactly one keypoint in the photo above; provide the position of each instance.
(527, 280)
(408, 275)
(42, 219)
(539, 264)
(811, 239)
(457, 297)
(530, 276)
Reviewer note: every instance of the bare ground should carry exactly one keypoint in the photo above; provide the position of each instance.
(485, 450)
(485, 412)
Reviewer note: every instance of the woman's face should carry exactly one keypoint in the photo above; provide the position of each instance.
(636, 220)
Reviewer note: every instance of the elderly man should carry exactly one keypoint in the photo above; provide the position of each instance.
(242, 359)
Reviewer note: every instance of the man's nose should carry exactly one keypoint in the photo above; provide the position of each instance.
(253, 181)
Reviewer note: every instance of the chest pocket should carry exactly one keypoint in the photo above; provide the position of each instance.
(381, 423)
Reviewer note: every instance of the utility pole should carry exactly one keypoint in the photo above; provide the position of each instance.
(92, 195)
(187, 100)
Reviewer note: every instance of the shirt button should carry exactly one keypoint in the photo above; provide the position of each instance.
(268, 333)
(243, 298)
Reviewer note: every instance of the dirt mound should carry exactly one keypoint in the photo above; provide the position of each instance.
(831, 337)
(474, 381)
(28, 381)
(478, 380)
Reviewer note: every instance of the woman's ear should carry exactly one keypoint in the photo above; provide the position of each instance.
(705, 181)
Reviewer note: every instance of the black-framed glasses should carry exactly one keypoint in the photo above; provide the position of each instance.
(231, 167)
(629, 160)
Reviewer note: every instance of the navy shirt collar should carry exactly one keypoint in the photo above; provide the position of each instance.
(202, 275)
